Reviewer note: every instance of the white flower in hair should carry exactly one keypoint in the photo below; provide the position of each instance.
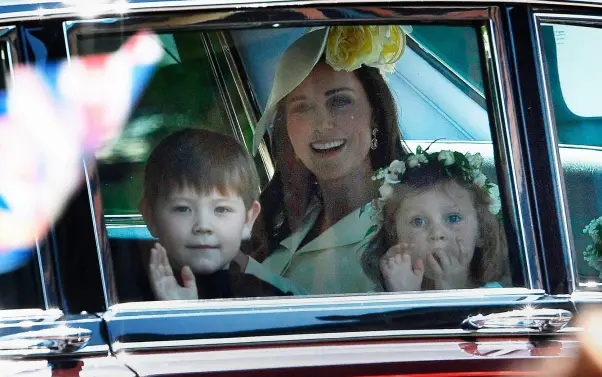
(385, 190)
(395, 170)
(480, 179)
(413, 161)
(446, 157)
(475, 161)
(494, 194)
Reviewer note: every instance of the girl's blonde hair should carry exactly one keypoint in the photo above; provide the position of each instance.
(490, 261)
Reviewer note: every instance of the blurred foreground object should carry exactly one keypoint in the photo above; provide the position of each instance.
(53, 117)
(588, 361)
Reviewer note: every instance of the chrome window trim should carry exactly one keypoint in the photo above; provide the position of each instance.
(211, 50)
(15, 317)
(97, 238)
(42, 274)
(8, 35)
(509, 143)
(333, 337)
(569, 251)
(138, 309)
(380, 304)
(246, 102)
(586, 297)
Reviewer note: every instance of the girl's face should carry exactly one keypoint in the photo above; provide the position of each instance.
(436, 218)
(329, 122)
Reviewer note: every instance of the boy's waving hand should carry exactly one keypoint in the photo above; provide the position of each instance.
(163, 282)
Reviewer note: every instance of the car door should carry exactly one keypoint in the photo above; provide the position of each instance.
(478, 104)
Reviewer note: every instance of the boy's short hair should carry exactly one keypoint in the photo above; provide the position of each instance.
(203, 160)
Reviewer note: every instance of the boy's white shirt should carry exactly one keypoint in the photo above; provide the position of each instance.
(328, 264)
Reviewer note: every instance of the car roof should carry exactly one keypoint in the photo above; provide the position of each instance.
(43, 9)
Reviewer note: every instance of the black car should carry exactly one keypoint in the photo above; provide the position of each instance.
(517, 82)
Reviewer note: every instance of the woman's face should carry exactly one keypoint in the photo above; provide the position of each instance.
(329, 122)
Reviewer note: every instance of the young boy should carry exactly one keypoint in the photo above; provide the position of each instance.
(200, 202)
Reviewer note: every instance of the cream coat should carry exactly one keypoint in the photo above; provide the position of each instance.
(328, 264)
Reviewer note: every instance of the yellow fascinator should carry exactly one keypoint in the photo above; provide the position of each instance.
(344, 47)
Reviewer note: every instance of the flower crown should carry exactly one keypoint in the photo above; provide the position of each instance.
(466, 167)
(350, 47)
(593, 252)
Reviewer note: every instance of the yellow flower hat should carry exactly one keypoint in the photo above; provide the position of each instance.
(345, 48)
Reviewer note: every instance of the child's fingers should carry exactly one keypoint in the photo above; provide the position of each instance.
(404, 247)
(188, 278)
(385, 260)
(153, 258)
(399, 248)
(418, 267)
(395, 249)
(444, 259)
(434, 265)
(462, 252)
(154, 274)
(165, 261)
(163, 266)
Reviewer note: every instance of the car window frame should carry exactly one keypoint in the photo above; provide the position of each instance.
(509, 158)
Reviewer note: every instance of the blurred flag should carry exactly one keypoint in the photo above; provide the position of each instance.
(51, 117)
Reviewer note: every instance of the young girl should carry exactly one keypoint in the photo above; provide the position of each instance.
(442, 215)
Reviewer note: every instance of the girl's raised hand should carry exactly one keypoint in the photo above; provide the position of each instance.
(163, 282)
(398, 271)
(450, 271)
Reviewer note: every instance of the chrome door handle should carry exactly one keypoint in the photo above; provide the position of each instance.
(543, 320)
(61, 339)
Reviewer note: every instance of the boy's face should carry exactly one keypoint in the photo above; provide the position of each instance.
(434, 219)
(203, 232)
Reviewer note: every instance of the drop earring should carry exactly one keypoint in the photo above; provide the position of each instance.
(374, 141)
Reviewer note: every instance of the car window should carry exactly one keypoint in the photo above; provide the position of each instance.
(308, 229)
(573, 82)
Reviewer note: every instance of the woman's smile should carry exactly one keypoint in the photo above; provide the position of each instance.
(327, 148)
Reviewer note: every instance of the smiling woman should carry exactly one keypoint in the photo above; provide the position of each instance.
(341, 125)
